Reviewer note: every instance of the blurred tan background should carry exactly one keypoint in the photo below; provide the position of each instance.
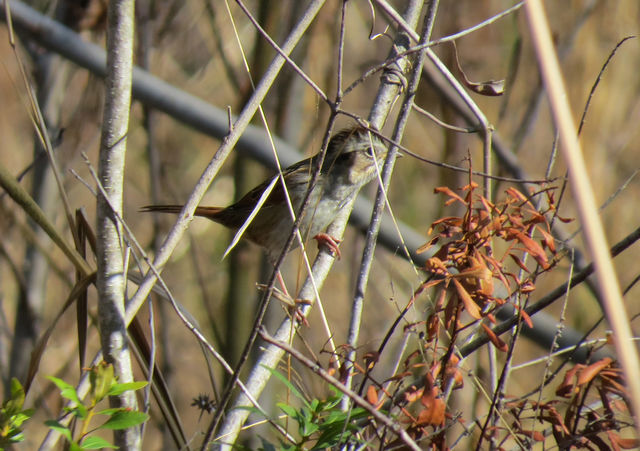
(192, 46)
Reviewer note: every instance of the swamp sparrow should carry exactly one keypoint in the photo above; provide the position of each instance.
(349, 164)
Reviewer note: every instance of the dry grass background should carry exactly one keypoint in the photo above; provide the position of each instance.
(186, 53)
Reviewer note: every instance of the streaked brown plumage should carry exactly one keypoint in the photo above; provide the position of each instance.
(348, 165)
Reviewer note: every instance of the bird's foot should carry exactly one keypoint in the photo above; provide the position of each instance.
(330, 242)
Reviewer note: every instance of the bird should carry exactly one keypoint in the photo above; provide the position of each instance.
(350, 163)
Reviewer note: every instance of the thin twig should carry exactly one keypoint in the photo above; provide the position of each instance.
(597, 82)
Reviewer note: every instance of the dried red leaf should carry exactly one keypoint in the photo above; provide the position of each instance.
(490, 88)
(434, 407)
(482, 273)
(372, 396)
(470, 187)
(334, 365)
(525, 317)
(357, 369)
(371, 358)
(440, 299)
(568, 387)
(465, 297)
(496, 224)
(431, 283)
(589, 372)
(497, 266)
(514, 277)
(446, 190)
(410, 357)
(556, 419)
(534, 435)
(413, 394)
(535, 217)
(517, 194)
(486, 287)
(453, 372)
(453, 360)
(451, 221)
(477, 275)
(547, 240)
(449, 313)
(532, 246)
(516, 221)
(518, 262)
(625, 443)
(435, 265)
(620, 405)
(487, 204)
(428, 244)
(617, 388)
(494, 339)
(433, 326)
(433, 412)
(477, 270)
(565, 220)
(527, 287)
(399, 376)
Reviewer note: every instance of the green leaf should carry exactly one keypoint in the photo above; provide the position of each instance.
(335, 434)
(69, 391)
(16, 436)
(53, 424)
(14, 405)
(117, 389)
(361, 412)
(79, 411)
(328, 439)
(289, 385)
(101, 378)
(307, 414)
(308, 429)
(66, 390)
(21, 417)
(110, 411)
(125, 419)
(332, 402)
(288, 410)
(96, 443)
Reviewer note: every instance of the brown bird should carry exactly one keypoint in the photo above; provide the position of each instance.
(349, 164)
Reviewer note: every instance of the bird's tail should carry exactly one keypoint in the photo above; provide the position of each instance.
(206, 212)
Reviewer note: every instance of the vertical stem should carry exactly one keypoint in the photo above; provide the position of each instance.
(111, 278)
(587, 208)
